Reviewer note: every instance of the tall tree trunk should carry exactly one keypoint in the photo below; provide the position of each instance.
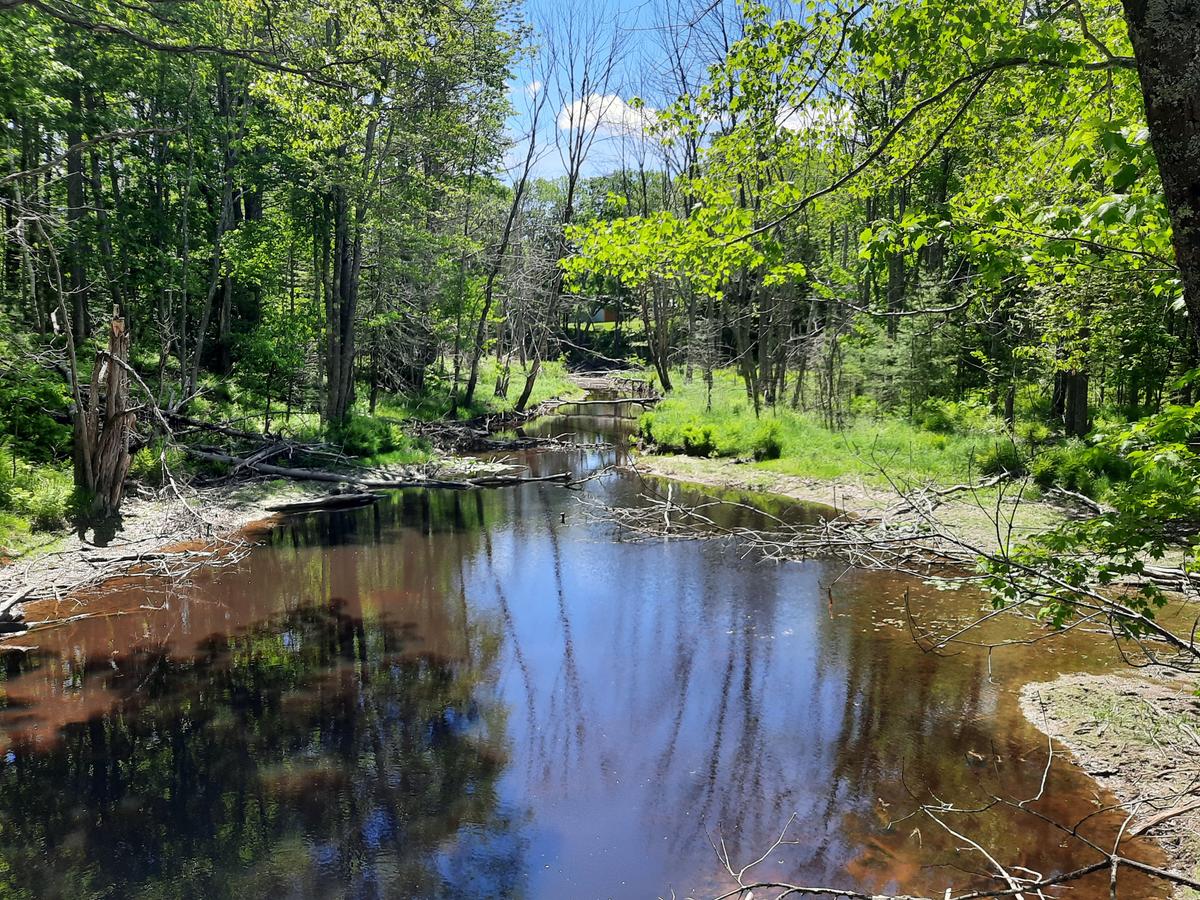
(1165, 35)
(1058, 396)
(530, 381)
(76, 207)
(1076, 417)
(342, 308)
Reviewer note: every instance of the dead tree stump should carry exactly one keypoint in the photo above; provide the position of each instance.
(104, 427)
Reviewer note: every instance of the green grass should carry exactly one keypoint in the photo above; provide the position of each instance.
(34, 500)
(630, 327)
(435, 401)
(805, 447)
(405, 452)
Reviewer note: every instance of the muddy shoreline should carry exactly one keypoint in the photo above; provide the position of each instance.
(168, 534)
(966, 515)
(1138, 736)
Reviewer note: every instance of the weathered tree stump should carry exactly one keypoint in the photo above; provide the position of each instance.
(104, 426)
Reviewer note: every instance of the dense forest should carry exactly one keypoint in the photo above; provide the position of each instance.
(328, 219)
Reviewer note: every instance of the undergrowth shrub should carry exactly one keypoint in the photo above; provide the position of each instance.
(147, 463)
(1002, 457)
(1035, 434)
(42, 495)
(47, 500)
(955, 416)
(767, 441)
(363, 436)
(689, 436)
(697, 439)
(1088, 469)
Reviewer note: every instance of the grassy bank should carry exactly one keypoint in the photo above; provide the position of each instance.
(793, 443)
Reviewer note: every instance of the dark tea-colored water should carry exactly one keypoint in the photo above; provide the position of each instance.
(492, 694)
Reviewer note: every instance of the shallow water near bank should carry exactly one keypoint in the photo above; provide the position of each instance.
(491, 693)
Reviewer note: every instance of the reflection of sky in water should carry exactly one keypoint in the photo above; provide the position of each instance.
(489, 701)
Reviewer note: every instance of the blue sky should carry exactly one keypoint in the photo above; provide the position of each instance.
(641, 27)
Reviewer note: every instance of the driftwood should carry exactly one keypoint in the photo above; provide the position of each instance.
(1164, 816)
(1079, 500)
(11, 615)
(365, 481)
(639, 401)
(615, 381)
(539, 443)
(332, 501)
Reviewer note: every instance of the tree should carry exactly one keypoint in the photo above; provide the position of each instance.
(1164, 35)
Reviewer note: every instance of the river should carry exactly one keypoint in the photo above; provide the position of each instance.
(494, 694)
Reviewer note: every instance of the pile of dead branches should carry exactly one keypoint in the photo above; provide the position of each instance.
(895, 540)
(908, 538)
(245, 453)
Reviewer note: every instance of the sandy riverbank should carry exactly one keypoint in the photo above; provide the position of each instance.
(1138, 735)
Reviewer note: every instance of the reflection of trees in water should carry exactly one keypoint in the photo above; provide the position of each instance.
(319, 751)
(748, 776)
(928, 728)
(514, 644)
(566, 704)
(310, 757)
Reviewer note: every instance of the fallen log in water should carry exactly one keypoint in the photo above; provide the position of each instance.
(364, 481)
(616, 401)
(11, 615)
(332, 501)
(539, 443)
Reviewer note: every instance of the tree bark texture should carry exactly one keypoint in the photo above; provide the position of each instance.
(104, 426)
(1165, 35)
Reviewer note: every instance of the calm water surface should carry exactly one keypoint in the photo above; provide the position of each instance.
(464, 695)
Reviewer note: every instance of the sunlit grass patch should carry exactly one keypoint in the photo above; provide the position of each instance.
(797, 443)
(436, 400)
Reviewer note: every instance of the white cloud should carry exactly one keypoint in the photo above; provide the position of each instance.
(533, 88)
(836, 118)
(606, 112)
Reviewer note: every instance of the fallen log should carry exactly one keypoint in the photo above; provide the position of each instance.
(332, 501)
(537, 443)
(365, 481)
(8, 611)
(616, 401)
(215, 427)
(1079, 499)
(1164, 816)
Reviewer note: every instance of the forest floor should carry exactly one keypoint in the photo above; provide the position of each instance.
(971, 516)
(1138, 736)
